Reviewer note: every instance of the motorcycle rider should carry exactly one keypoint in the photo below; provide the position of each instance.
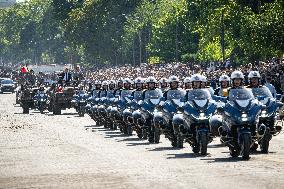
(237, 78)
(163, 84)
(187, 83)
(224, 82)
(254, 79)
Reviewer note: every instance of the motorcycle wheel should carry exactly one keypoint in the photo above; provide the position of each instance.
(179, 141)
(264, 143)
(41, 111)
(245, 146)
(81, 113)
(203, 140)
(139, 133)
(144, 134)
(196, 148)
(129, 129)
(174, 141)
(157, 134)
(234, 152)
(26, 110)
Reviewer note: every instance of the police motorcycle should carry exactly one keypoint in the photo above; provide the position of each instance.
(101, 109)
(152, 97)
(113, 112)
(239, 130)
(166, 109)
(79, 101)
(131, 105)
(92, 101)
(268, 114)
(106, 105)
(122, 110)
(191, 122)
(41, 100)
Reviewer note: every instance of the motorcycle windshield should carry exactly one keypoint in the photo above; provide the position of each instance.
(262, 91)
(175, 94)
(240, 95)
(153, 94)
(138, 95)
(110, 94)
(125, 93)
(198, 94)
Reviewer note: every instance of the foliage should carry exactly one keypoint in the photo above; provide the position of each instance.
(135, 31)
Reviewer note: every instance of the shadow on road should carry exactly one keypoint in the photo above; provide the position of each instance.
(222, 160)
(129, 139)
(137, 144)
(184, 155)
(163, 149)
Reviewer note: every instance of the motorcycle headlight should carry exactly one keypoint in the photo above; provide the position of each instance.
(244, 117)
(202, 116)
(263, 113)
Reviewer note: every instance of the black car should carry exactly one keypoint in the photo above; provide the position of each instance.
(7, 85)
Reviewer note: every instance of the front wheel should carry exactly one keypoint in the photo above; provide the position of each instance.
(245, 145)
(203, 141)
(157, 134)
(264, 143)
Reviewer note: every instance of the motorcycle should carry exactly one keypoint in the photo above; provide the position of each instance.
(164, 113)
(147, 107)
(41, 102)
(79, 102)
(191, 122)
(267, 117)
(240, 130)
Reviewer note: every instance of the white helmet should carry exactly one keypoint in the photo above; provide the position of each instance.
(187, 80)
(127, 80)
(254, 74)
(98, 82)
(138, 80)
(224, 78)
(173, 78)
(237, 75)
(111, 82)
(196, 77)
(163, 80)
(104, 83)
(204, 79)
(151, 79)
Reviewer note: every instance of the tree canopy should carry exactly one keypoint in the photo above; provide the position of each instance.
(135, 31)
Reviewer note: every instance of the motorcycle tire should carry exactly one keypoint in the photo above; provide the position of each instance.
(234, 152)
(26, 110)
(203, 142)
(264, 143)
(245, 146)
(144, 134)
(139, 133)
(41, 111)
(129, 129)
(179, 141)
(174, 141)
(157, 134)
(196, 149)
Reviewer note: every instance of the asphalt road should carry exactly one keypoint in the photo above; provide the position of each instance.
(67, 151)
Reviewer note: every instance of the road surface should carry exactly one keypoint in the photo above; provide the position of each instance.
(67, 151)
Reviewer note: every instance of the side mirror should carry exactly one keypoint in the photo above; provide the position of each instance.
(280, 104)
(260, 98)
(278, 96)
(180, 109)
(223, 99)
